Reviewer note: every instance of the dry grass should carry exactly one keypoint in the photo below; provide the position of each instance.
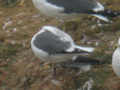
(19, 68)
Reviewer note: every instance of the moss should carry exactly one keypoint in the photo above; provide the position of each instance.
(9, 3)
(7, 50)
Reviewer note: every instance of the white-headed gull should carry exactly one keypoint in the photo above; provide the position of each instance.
(71, 8)
(52, 45)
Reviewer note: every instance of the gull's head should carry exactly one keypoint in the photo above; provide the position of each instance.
(51, 29)
(45, 29)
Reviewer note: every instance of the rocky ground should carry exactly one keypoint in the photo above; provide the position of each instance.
(21, 70)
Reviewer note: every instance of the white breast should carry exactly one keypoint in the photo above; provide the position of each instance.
(116, 62)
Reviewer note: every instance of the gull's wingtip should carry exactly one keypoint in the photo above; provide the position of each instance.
(101, 17)
(90, 49)
(87, 49)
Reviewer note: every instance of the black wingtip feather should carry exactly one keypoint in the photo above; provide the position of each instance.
(87, 60)
(109, 13)
(83, 60)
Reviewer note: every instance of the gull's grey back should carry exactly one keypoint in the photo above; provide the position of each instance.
(75, 6)
(50, 43)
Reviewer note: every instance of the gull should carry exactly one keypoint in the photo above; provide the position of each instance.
(65, 9)
(52, 45)
(116, 60)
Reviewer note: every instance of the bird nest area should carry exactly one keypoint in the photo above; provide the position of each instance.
(21, 70)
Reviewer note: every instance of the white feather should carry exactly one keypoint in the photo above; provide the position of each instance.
(116, 62)
(87, 49)
(99, 7)
(101, 17)
(47, 8)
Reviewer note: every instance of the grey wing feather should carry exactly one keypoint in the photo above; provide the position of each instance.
(75, 6)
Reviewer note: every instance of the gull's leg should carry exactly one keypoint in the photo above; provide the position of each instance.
(46, 65)
(60, 22)
(54, 69)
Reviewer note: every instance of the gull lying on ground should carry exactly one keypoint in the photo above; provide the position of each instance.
(72, 8)
(52, 45)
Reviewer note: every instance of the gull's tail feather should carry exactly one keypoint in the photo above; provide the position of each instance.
(82, 61)
(87, 49)
(86, 60)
